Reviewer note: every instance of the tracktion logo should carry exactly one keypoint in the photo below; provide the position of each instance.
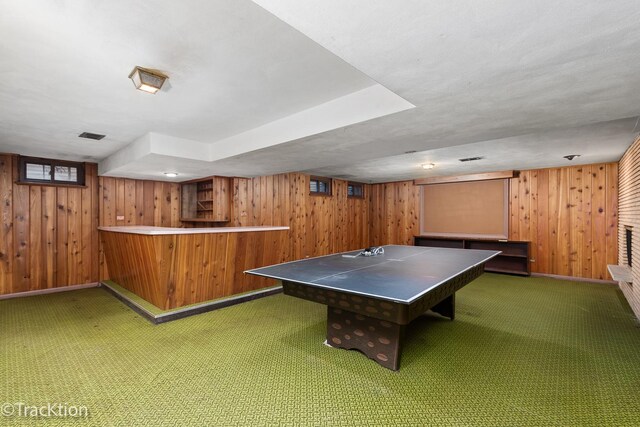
(49, 410)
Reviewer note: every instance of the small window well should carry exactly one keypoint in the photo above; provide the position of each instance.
(50, 171)
(320, 186)
(355, 190)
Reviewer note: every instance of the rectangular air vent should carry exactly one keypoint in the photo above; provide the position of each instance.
(90, 135)
(471, 159)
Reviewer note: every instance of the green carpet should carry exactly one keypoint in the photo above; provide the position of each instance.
(521, 352)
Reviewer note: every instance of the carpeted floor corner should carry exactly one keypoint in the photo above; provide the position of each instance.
(521, 352)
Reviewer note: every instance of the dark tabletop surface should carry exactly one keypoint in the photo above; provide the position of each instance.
(402, 273)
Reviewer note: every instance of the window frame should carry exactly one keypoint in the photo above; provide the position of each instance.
(328, 182)
(52, 163)
(355, 184)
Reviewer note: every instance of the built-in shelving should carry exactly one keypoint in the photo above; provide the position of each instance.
(206, 200)
(513, 259)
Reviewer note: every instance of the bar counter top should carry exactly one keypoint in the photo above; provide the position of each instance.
(159, 231)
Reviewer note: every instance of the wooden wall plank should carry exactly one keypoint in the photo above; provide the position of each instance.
(176, 204)
(598, 222)
(514, 208)
(575, 221)
(533, 217)
(554, 213)
(6, 232)
(84, 244)
(585, 229)
(524, 206)
(63, 237)
(563, 241)
(36, 274)
(93, 192)
(74, 224)
(21, 221)
(121, 217)
(542, 259)
(147, 217)
(129, 208)
(49, 236)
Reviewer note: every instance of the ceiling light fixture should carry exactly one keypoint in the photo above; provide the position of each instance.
(428, 166)
(146, 80)
(571, 156)
(171, 174)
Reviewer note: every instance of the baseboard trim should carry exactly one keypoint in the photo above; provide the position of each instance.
(49, 290)
(193, 310)
(575, 279)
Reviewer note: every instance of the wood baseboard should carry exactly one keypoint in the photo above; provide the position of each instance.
(575, 279)
(49, 290)
(180, 313)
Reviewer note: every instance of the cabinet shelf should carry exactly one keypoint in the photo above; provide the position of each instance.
(206, 200)
(513, 255)
(514, 258)
(199, 220)
(507, 271)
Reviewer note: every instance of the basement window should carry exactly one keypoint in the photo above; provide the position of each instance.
(35, 170)
(355, 190)
(319, 186)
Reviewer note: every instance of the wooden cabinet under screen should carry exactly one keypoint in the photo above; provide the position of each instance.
(206, 200)
(513, 259)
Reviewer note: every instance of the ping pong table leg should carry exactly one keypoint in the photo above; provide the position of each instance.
(377, 339)
(446, 307)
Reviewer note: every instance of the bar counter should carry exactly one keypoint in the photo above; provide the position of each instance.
(174, 267)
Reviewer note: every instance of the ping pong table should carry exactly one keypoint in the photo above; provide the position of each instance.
(370, 299)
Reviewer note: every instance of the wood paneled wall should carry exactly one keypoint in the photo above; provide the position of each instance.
(394, 213)
(49, 235)
(319, 224)
(629, 212)
(138, 202)
(568, 214)
(126, 201)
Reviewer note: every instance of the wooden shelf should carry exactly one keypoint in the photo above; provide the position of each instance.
(507, 271)
(621, 273)
(514, 258)
(199, 220)
(206, 200)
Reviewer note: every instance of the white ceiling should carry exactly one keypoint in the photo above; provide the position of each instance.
(327, 87)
